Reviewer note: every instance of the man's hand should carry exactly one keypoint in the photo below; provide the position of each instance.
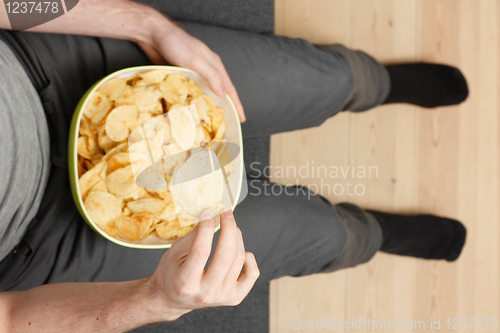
(161, 39)
(179, 284)
(185, 284)
(171, 44)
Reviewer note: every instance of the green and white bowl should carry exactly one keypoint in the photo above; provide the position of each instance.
(233, 135)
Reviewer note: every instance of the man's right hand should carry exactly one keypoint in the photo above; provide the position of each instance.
(179, 284)
(183, 283)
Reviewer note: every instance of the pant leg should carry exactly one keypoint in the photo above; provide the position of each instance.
(60, 247)
(290, 231)
(293, 232)
(286, 84)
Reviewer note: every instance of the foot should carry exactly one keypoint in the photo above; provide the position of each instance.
(421, 236)
(426, 85)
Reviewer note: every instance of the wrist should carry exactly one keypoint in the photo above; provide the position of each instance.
(153, 23)
(153, 298)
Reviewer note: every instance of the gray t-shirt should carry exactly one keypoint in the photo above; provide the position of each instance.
(24, 151)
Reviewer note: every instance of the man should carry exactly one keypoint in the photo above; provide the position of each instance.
(58, 275)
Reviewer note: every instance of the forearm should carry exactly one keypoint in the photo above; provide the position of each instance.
(121, 19)
(84, 307)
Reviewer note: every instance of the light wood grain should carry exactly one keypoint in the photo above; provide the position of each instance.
(443, 161)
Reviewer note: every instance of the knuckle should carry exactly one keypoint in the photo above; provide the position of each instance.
(255, 274)
(205, 298)
(240, 258)
(250, 256)
(182, 288)
(217, 58)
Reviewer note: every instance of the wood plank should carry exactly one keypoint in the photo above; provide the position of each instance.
(321, 296)
(386, 138)
(487, 229)
(443, 161)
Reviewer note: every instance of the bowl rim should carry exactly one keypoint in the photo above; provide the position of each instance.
(73, 158)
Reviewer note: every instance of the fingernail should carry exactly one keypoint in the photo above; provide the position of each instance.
(221, 91)
(227, 212)
(208, 214)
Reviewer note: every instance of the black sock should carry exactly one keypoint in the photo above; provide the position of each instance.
(426, 85)
(421, 236)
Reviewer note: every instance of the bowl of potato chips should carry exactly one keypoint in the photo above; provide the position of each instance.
(102, 181)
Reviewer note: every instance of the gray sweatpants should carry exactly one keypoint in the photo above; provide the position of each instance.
(284, 84)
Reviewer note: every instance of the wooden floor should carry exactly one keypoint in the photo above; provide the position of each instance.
(443, 161)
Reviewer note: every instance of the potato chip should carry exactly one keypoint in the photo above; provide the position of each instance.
(111, 229)
(199, 139)
(122, 147)
(153, 205)
(202, 110)
(196, 186)
(194, 90)
(143, 117)
(172, 149)
(148, 101)
(104, 142)
(93, 146)
(100, 186)
(145, 221)
(174, 88)
(210, 102)
(128, 228)
(183, 127)
(121, 183)
(86, 127)
(97, 107)
(160, 193)
(217, 120)
(83, 147)
(220, 131)
(118, 161)
(126, 98)
(102, 207)
(154, 76)
(81, 168)
(113, 88)
(172, 230)
(88, 164)
(120, 122)
(97, 158)
(169, 213)
(90, 178)
(207, 135)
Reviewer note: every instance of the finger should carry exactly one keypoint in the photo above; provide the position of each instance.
(250, 274)
(231, 90)
(239, 259)
(225, 251)
(213, 77)
(201, 246)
